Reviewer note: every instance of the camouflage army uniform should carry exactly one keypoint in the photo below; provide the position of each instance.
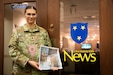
(24, 45)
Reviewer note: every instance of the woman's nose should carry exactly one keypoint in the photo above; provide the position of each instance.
(31, 15)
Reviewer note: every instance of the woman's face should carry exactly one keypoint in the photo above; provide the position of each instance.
(30, 16)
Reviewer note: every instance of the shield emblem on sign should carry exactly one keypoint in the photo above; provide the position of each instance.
(79, 32)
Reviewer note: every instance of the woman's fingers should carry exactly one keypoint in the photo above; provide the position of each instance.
(34, 64)
(54, 68)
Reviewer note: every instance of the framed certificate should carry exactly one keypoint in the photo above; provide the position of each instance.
(49, 57)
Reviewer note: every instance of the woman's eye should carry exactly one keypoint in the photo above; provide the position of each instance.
(33, 14)
(29, 14)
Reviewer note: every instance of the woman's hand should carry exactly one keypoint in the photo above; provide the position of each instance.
(54, 68)
(34, 64)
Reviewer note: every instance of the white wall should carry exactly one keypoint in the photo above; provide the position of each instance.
(8, 25)
(18, 17)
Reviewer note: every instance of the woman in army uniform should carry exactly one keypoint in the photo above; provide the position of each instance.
(25, 43)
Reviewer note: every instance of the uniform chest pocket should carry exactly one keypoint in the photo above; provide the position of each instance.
(21, 40)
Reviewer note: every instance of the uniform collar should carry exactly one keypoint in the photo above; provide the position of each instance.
(27, 29)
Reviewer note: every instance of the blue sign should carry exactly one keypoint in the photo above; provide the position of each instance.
(79, 32)
(16, 6)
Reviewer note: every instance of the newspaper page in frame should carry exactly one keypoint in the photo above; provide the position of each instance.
(49, 57)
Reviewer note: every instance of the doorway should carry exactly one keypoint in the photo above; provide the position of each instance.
(14, 18)
(73, 12)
